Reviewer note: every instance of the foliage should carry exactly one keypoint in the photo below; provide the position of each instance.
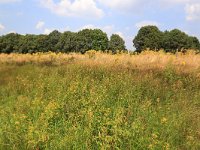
(98, 104)
(92, 39)
(9, 42)
(28, 44)
(52, 40)
(193, 43)
(150, 37)
(116, 43)
(175, 40)
(67, 42)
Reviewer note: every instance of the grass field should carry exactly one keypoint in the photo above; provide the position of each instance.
(100, 101)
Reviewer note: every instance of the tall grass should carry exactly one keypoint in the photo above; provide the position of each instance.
(103, 101)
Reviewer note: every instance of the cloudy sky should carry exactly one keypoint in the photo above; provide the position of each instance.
(124, 17)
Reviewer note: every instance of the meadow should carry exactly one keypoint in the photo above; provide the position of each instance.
(100, 101)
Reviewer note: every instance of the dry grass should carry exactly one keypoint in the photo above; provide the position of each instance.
(187, 63)
(100, 101)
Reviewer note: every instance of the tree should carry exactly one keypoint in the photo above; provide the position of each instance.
(171, 41)
(53, 39)
(193, 43)
(100, 40)
(28, 44)
(1, 44)
(148, 37)
(116, 43)
(67, 42)
(42, 43)
(175, 40)
(95, 39)
(10, 43)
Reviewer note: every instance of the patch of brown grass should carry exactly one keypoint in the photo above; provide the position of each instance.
(147, 60)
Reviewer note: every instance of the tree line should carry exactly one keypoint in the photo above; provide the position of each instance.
(82, 41)
(148, 37)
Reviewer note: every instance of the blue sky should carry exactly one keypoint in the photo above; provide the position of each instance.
(123, 17)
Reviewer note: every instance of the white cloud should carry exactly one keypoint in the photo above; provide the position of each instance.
(12, 31)
(1, 27)
(8, 1)
(125, 5)
(109, 29)
(67, 28)
(89, 26)
(145, 23)
(77, 8)
(88, 8)
(40, 25)
(192, 7)
(48, 31)
(192, 12)
(120, 34)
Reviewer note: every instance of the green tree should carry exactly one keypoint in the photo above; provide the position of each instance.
(42, 43)
(175, 40)
(1, 44)
(53, 39)
(148, 37)
(28, 44)
(95, 39)
(67, 42)
(10, 43)
(193, 43)
(116, 43)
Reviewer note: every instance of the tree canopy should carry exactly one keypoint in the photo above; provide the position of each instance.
(92, 39)
(150, 37)
(67, 42)
(116, 43)
(82, 41)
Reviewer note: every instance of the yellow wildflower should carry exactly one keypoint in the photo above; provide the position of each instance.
(150, 146)
(154, 136)
(17, 123)
(166, 146)
(164, 120)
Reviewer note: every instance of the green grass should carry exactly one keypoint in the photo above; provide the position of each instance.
(89, 107)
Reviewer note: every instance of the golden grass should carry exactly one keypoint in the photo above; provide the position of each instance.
(189, 62)
(100, 101)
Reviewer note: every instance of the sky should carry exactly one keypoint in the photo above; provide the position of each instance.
(123, 17)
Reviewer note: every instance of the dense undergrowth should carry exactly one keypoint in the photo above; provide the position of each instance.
(90, 106)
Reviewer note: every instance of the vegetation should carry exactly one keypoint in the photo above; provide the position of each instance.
(66, 42)
(100, 101)
(150, 37)
(116, 43)
(92, 39)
